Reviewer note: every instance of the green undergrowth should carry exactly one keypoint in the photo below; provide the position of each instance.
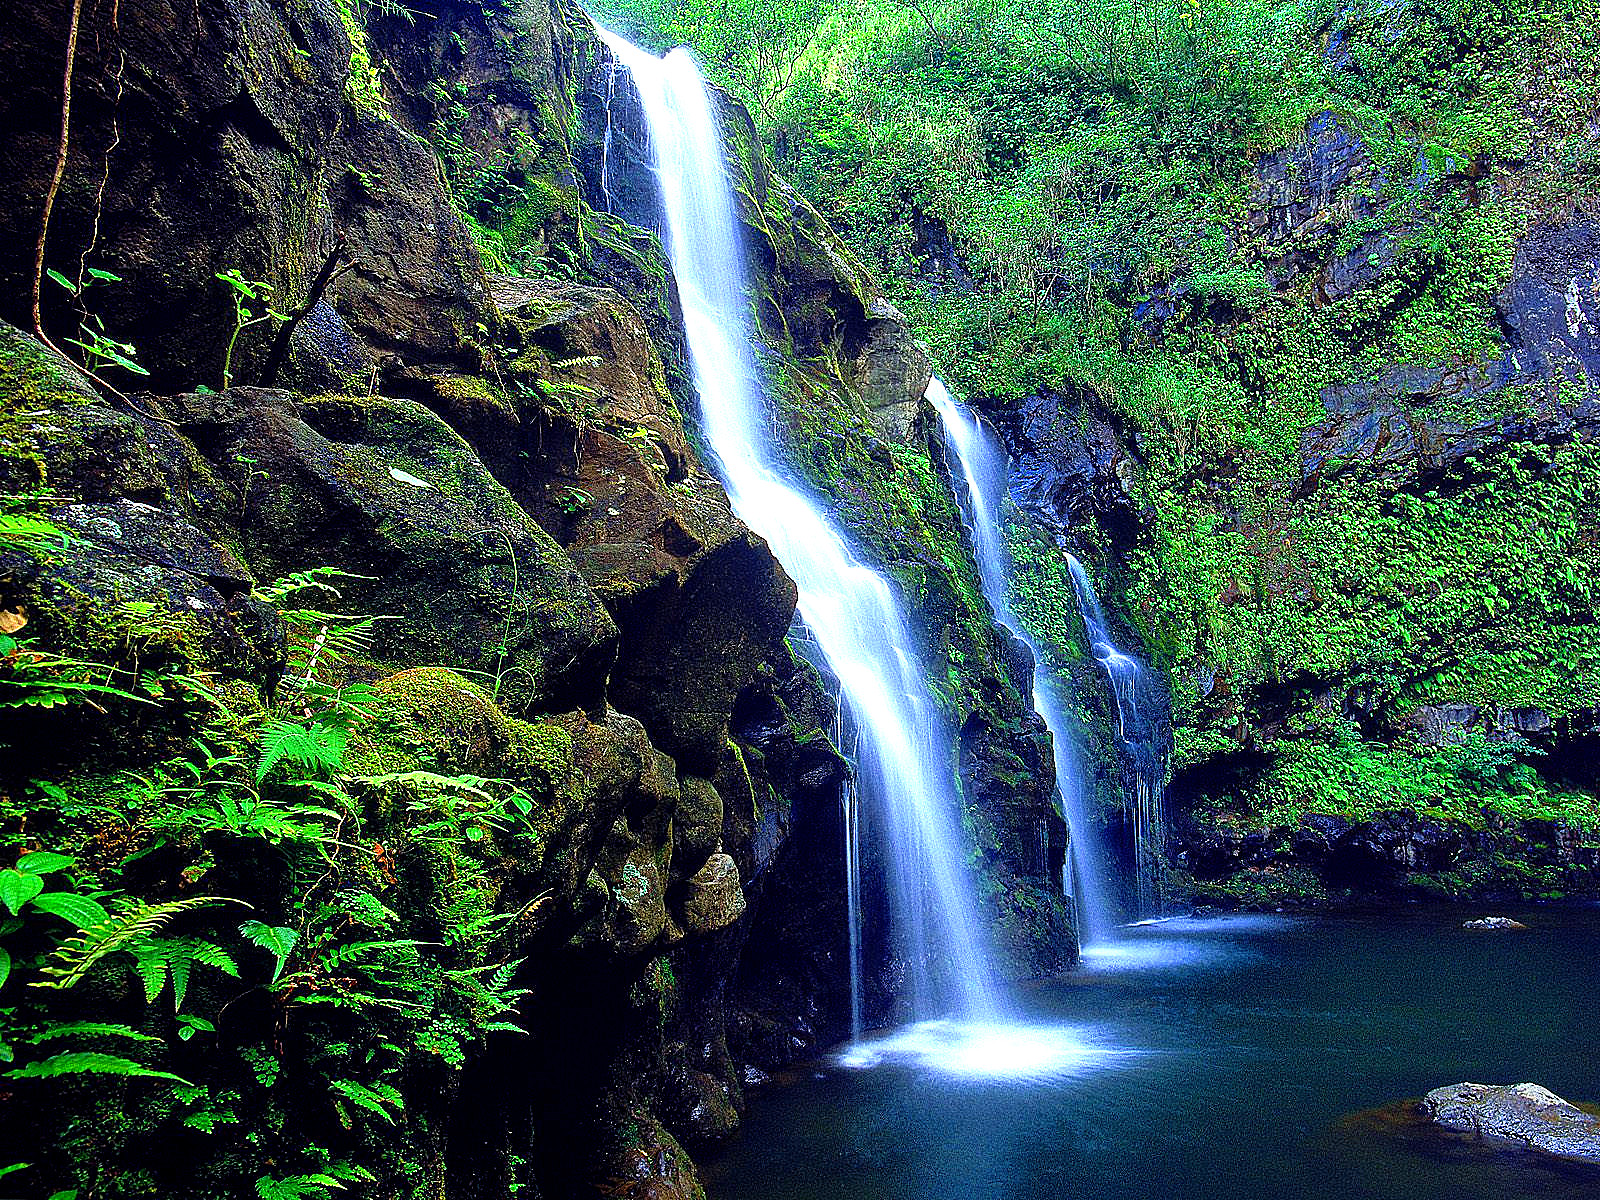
(1468, 777)
(263, 931)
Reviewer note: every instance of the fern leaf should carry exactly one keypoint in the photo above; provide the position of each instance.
(90, 1029)
(179, 966)
(151, 966)
(89, 1062)
(369, 1098)
(209, 954)
(73, 959)
(277, 940)
(314, 747)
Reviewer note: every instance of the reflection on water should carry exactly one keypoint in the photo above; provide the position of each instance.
(1225, 1059)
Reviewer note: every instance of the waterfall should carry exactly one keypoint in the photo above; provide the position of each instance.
(983, 466)
(1124, 675)
(906, 754)
(605, 143)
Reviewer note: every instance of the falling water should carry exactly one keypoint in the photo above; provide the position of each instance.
(605, 143)
(905, 751)
(983, 464)
(1124, 675)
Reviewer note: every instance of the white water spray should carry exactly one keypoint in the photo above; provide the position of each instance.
(984, 468)
(905, 754)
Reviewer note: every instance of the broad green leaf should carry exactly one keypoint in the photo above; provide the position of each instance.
(42, 862)
(17, 888)
(81, 911)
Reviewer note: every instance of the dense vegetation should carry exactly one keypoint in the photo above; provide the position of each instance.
(1095, 198)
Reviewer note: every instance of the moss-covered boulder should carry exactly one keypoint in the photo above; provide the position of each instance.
(381, 488)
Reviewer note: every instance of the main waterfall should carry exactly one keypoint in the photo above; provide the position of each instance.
(906, 754)
(984, 470)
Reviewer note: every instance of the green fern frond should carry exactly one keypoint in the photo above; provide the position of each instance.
(73, 959)
(89, 1029)
(372, 1098)
(89, 1062)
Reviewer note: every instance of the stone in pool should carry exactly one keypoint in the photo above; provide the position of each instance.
(1493, 923)
(1523, 1113)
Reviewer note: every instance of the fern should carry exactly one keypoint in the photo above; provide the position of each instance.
(315, 748)
(29, 534)
(88, 1062)
(314, 1186)
(89, 1029)
(156, 960)
(277, 940)
(371, 1097)
(315, 579)
(135, 920)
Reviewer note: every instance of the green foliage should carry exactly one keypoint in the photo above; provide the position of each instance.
(372, 897)
(1329, 768)
(98, 348)
(252, 306)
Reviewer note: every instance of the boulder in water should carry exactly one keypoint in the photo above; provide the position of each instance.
(1493, 923)
(1524, 1113)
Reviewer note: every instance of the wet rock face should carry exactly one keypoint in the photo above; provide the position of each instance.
(1401, 424)
(1070, 463)
(1303, 195)
(236, 127)
(1524, 1114)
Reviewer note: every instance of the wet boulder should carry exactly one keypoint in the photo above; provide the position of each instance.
(383, 489)
(713, 896)
(1524, 1114)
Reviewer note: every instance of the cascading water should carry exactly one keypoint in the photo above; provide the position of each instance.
(1124, 676)
(983, 466)
(905, 753)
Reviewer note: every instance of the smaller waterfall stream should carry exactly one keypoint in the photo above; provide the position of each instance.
(1125, 676)
(984, 466)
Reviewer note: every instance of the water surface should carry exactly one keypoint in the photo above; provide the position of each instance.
(1230, 1059)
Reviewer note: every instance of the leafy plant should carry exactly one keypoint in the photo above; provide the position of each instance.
(252, 306)
(99, 349)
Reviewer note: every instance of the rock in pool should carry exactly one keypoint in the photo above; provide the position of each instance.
(1493, 923)
(1524, 1113)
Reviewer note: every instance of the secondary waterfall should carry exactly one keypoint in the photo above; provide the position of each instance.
(906, 754)
(984, 468)
(1125, 676)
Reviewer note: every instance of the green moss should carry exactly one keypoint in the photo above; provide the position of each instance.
(362, 86)
(540, 754)
(434, 718)
(33, 381)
